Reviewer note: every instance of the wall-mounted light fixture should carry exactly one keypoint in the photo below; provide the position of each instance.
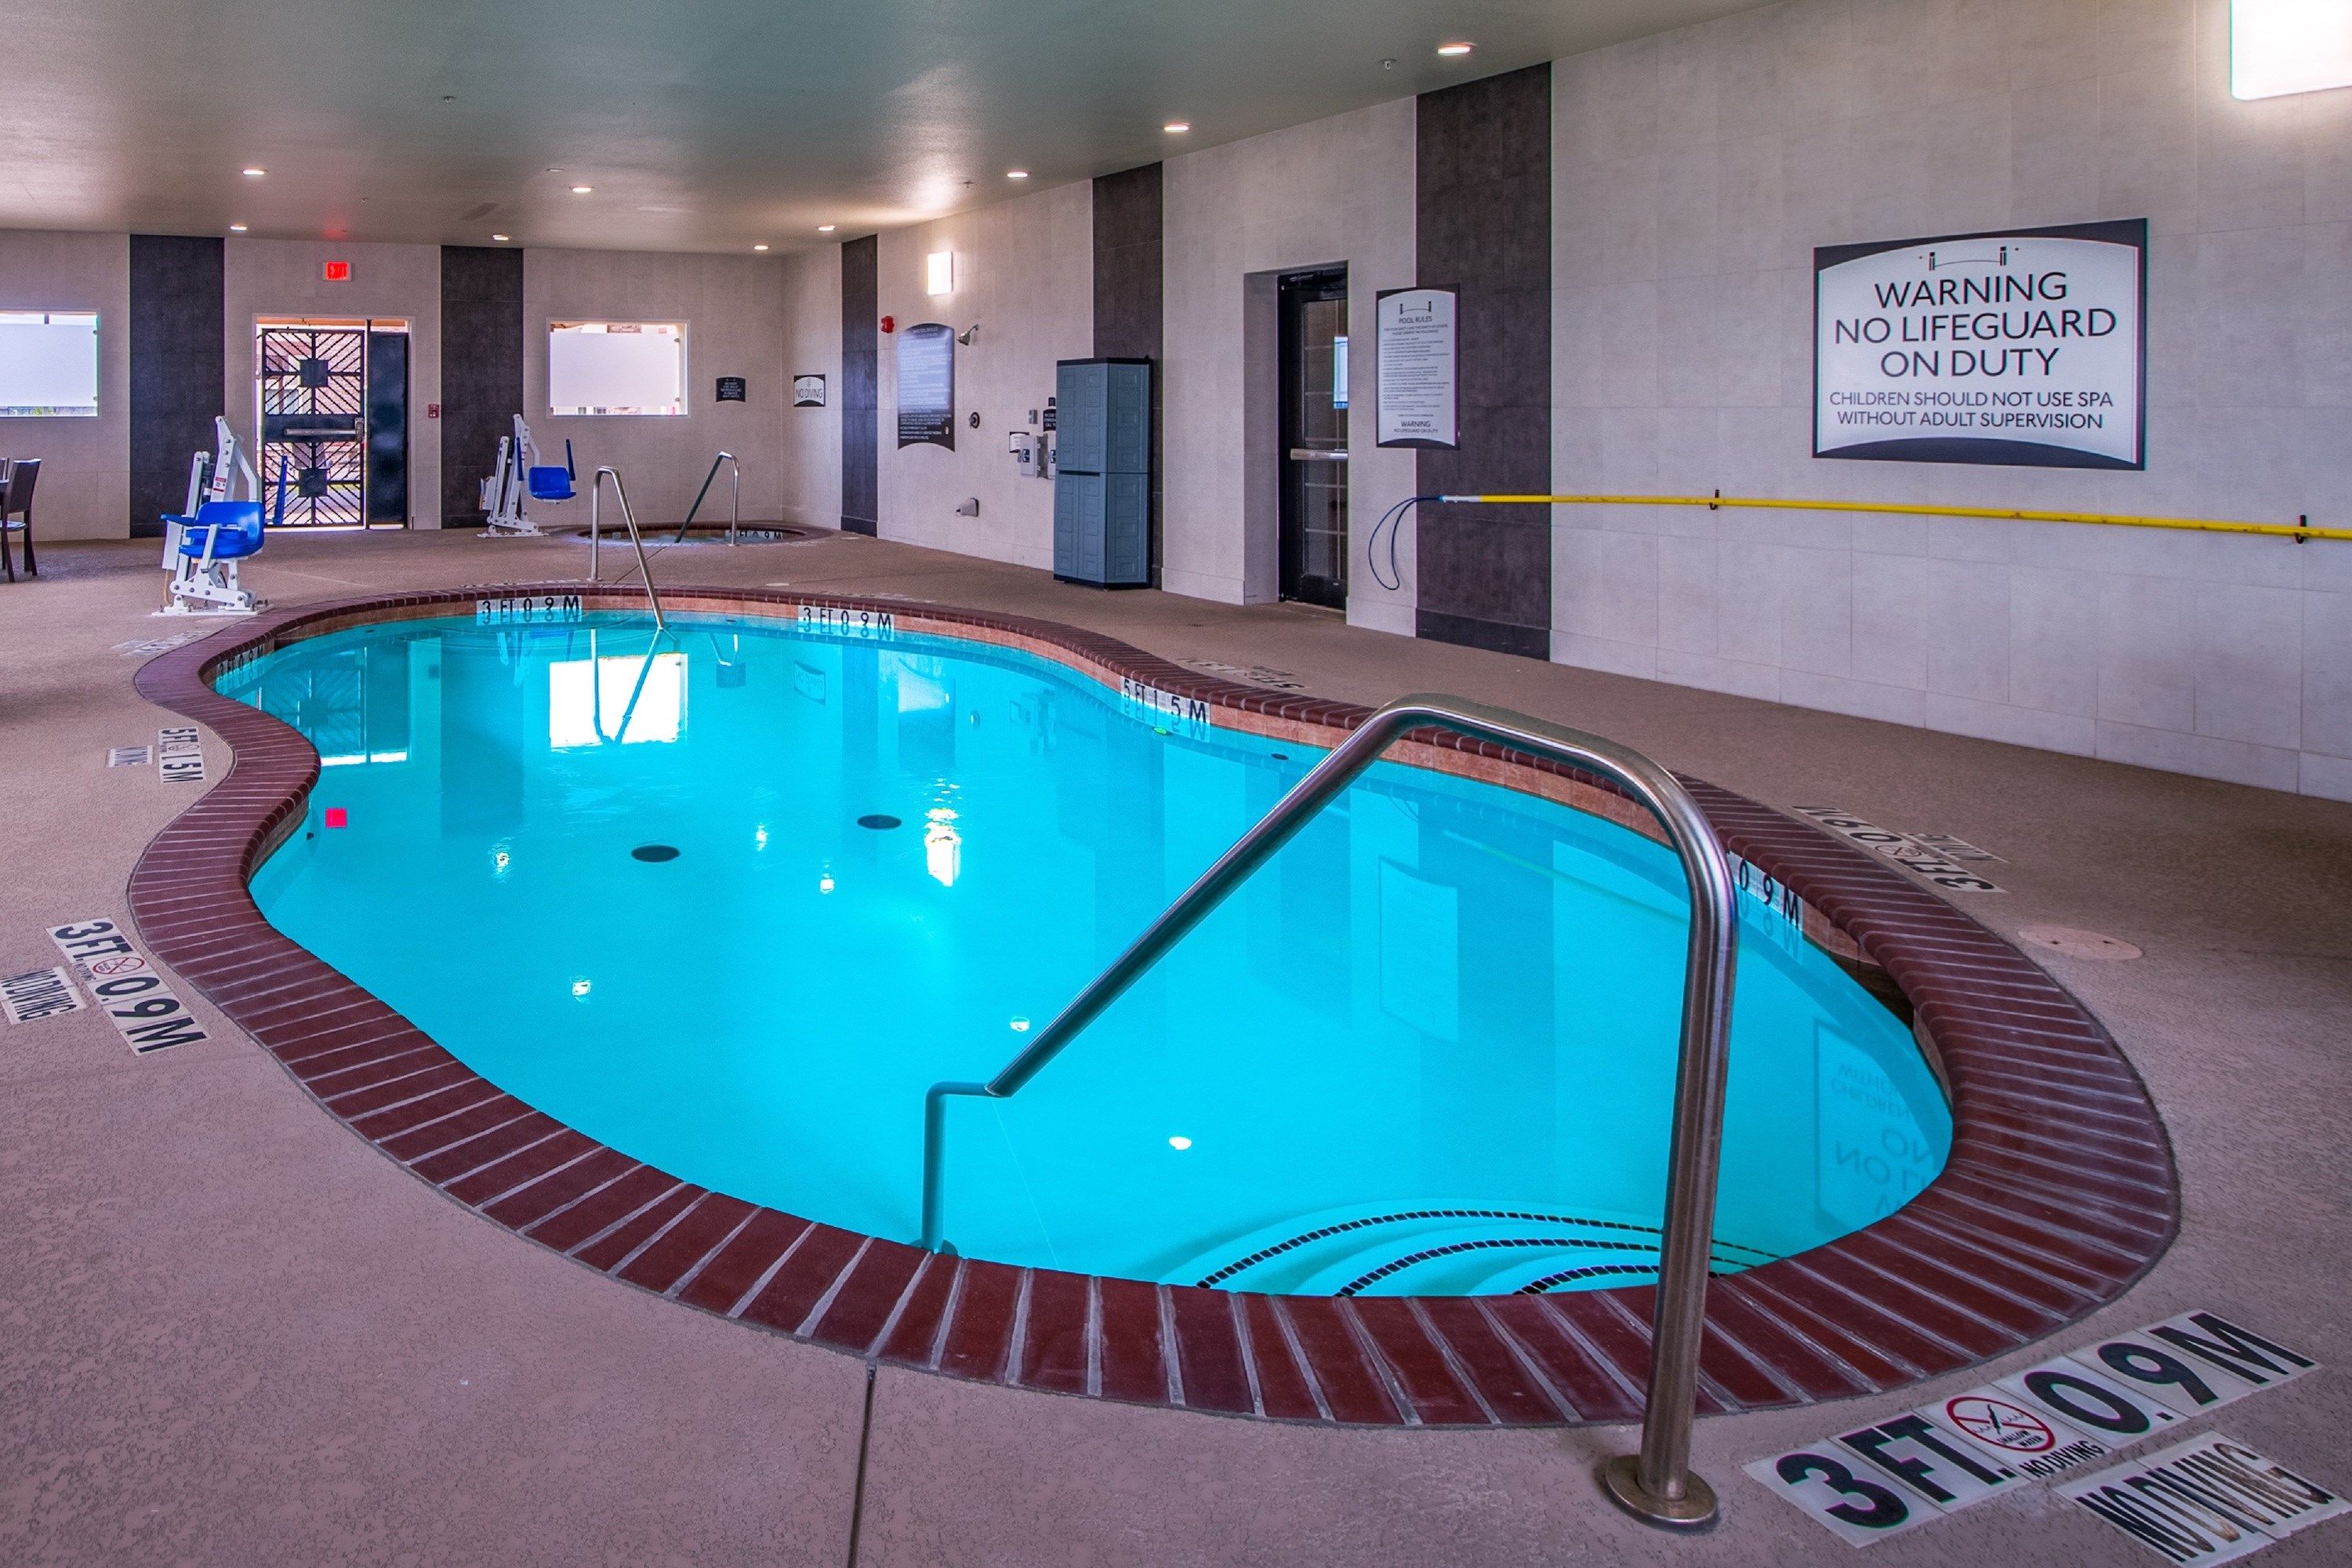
(2279, 47)
(939, 272)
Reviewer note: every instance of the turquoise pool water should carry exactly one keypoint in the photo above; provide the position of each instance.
(1428, 1049)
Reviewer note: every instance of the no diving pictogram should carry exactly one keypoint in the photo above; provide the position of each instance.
(2000, 1424)
(104, 968)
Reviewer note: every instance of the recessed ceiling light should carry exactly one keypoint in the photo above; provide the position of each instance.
(825, 228)
(253, 173)
(1454, 48)
(1176, 127)
(1016, 173)
(499, 236)
(582, 190)
(759, 247)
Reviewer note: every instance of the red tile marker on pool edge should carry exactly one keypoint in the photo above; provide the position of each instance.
(335, 816)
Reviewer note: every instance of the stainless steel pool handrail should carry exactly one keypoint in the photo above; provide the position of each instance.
(595, 497)
(735, 512)
(1657, 1485)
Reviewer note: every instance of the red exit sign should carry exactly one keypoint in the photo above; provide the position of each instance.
(338, 272)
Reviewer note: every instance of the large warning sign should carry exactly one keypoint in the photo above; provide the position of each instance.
(2027, 347)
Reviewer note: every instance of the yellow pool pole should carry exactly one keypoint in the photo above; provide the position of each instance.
(2298, 530)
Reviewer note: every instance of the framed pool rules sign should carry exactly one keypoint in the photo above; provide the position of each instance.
(2028, 346)
(1419, 368)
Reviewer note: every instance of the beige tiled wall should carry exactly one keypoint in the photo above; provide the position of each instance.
(1024, 275)
(84, 490)
(733, 307)
(287, 277)
(1695, 172)
(810, 445)
(1333, 191)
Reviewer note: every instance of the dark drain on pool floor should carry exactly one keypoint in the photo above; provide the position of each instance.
(654, 852)
(877, 820)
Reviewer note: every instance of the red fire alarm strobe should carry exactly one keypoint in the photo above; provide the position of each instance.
(338, 272)
(889, 323)
(433, 411)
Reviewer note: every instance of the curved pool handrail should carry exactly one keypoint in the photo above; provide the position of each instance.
(1657, 1485)
(596, 496)
(735, 512)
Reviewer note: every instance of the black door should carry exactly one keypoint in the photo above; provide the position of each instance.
(1314, 437)
(388, 427)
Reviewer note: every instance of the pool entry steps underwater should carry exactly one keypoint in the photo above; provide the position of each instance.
(2055, 1192)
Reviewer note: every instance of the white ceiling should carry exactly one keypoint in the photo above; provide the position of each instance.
(703, 124)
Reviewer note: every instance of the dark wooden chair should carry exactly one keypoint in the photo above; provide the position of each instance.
(16, 512)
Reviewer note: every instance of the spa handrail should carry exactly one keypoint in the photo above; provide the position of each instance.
(735, 512)
(1657, 1485)
(596, 496)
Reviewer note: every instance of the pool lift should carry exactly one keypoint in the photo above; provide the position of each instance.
(520, 479)
(216, 530)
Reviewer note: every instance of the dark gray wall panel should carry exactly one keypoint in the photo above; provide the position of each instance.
(1484, 212)
(861, 342)
(1127, 233)
(178, 362)
(482, 346)
(1128, 297)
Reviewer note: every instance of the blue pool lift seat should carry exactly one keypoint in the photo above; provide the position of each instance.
(550, 481)
(237, 522)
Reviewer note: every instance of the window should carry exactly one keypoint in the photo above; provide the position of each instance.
(2281, 47)
(616, 368)
(49, 364)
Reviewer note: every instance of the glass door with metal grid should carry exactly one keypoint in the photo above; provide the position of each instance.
(334, 423)
(1314, 310)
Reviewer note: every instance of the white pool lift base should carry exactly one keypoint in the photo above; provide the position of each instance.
(205, 543)
(522, 478)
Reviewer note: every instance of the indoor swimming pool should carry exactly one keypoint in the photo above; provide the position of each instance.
(730, 898)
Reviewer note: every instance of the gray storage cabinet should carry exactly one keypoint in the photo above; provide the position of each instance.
(1102, 475)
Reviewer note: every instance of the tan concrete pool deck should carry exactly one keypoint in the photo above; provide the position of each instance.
(230, 1332)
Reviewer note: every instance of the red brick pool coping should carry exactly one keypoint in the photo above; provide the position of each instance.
(2058, 1193)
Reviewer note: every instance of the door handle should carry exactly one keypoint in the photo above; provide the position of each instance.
(1310, 455)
